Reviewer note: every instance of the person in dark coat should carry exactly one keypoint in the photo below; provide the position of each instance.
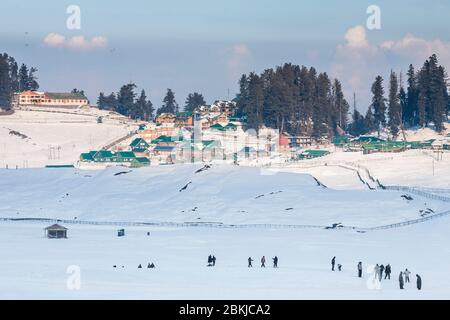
(400, 280)
(387, 272)
(419, 282)
(139, 266)
(263, 262)
(340, 267)
(333, 262)
(382, 269)
(275, 262)
(209, 260)
(151, 265)
(213, 260)
(250, 260)
(360, 269)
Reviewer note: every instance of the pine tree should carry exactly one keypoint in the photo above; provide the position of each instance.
(194, 101)
(340, 106)
(379, 104)
(143, 108)
(169, 103)
(394, 110)
(255, 102)
(23, 78)
(5, 83)
(125, 99)
(411, 109)
(369, 120)
(358, 125)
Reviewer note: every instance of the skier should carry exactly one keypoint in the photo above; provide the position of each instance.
(400, 280)
(213, 260)
(377, 271)
(209, 260)
(275, 262)
(250, 260)
(360, 269)
(419, 282)
(263, 262)
(150, 266)
(387, 272)
(333, 262)
(407, 273)
(340, 267)
(382, 269)
(139, 266)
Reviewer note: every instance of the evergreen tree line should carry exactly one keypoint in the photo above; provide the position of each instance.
(14, 79)
(127, 103)
(425, 101)
(293, 99)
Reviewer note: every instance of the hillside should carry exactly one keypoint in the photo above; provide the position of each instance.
(35, 138)
(222, 194)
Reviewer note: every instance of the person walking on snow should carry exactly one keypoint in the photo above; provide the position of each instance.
(250, 260)
(360, 269)
(275, 262)
(213, 260)
(333, 262)
(407, 273)
(263, 262)
(387, 272)
(419, 282)
(381, 271)
(377, 271)
(400, 280)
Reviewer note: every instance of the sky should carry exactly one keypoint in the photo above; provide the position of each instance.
(204, 46)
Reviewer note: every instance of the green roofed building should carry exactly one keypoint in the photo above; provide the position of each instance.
(140, 162)
(217, 126)
(312, 154)
(124, 156)
(139, 145)
(102, 156)
(367, 139)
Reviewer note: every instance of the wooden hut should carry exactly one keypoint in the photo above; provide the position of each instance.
(56, 232)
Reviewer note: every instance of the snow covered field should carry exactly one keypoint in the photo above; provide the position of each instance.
(34, 267)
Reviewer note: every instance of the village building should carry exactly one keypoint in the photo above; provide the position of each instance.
(312, 154)
(56, 232)
(168, 118)
(184, 119)
(50, 99)
(158, 130)
(139, 147)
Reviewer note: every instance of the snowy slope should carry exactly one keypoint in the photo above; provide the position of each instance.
(57, 137)
(223, 193)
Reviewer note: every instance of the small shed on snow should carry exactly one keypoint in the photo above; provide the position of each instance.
(56, 232)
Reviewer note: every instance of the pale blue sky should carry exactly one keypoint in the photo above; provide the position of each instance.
(188, 45)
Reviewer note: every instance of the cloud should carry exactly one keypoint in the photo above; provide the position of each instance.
(239, 55)
(356, 37)
(54, 40)
(75, 42)
(357, 62)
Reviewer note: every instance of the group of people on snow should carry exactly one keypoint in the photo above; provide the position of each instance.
(211, 261)
(263, 262)
(403, 278)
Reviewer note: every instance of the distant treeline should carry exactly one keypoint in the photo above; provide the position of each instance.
(290, 98)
